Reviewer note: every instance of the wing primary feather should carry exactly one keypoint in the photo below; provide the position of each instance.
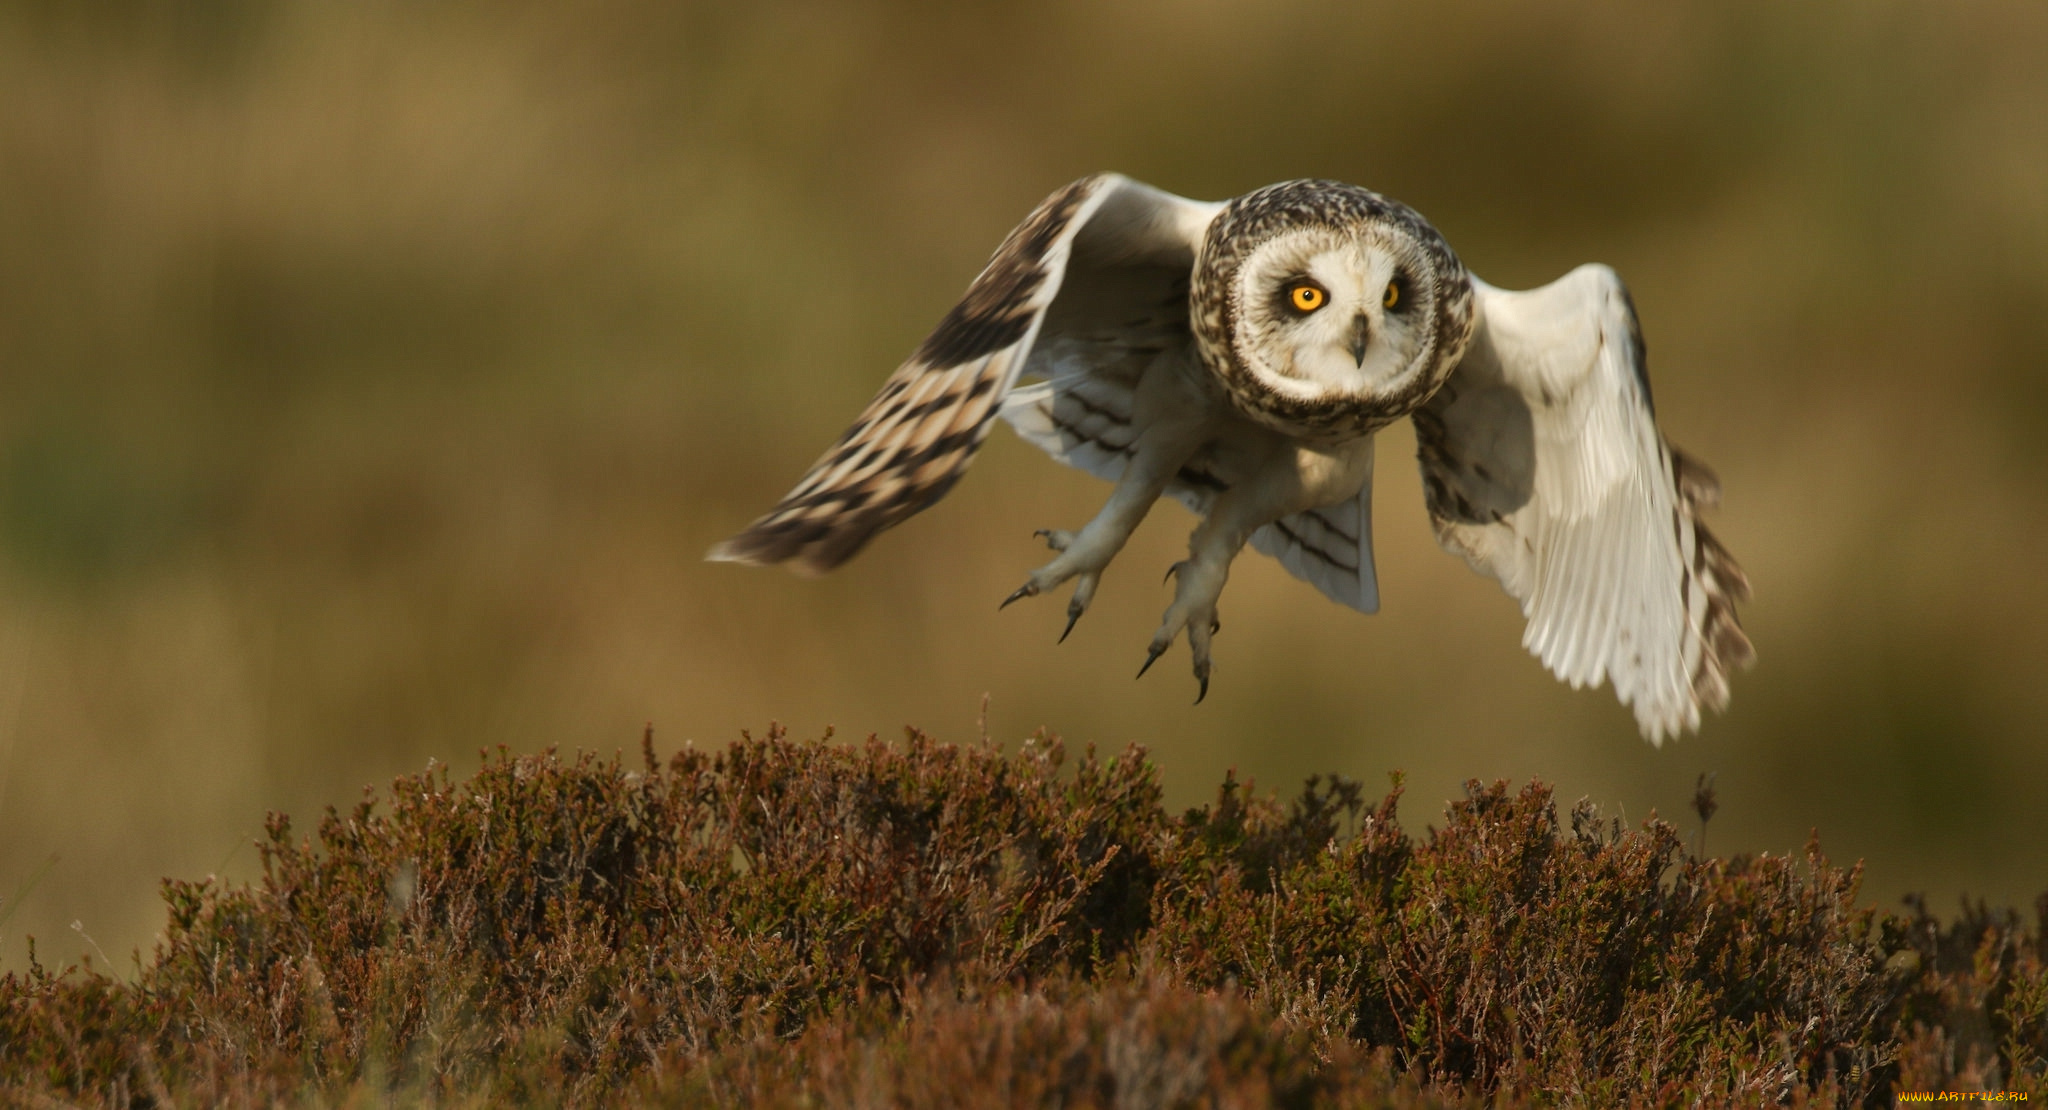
(1542, 465)
(916, 437)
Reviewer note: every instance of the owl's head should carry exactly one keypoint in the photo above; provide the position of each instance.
(1327, 309)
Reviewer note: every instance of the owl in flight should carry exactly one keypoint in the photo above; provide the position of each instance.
(1238, 357)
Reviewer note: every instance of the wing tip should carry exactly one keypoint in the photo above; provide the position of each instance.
(805, 560)
(1696, 482)
(750, 548)
(1670, 719)
(743, 550)
(1726, 649)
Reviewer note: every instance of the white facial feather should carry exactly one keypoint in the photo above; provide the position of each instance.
(1311, 356)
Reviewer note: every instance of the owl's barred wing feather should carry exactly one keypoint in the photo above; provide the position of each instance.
(1127, 246)
(1543, 466)
(1329, 548)
(915, 438)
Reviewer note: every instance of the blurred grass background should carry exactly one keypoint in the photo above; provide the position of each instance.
(374, 375)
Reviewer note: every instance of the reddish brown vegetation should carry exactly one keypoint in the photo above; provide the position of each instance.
(926, 925)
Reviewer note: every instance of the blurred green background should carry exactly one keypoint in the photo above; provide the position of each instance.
(374, 375)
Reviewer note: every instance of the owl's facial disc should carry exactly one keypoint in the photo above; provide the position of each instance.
(1331, 313)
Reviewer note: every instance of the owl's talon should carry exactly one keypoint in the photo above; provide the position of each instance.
(1028, 589)
(1193, 612)
(1173, 570)
(1084, 592)
(1082, 564)
(1199, 632)
(1152, 656)
(1059, 539)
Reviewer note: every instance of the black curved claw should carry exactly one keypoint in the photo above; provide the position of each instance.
(1025, 590)
(1173, 570)
(1152, 658)
(1203, 678)
(1073, 617)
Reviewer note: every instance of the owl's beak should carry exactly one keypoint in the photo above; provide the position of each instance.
(1361, 330)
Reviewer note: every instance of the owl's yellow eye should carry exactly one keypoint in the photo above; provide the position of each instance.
(1306, 298)
(1393, 296)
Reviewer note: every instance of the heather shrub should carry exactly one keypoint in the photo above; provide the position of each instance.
(921, 924)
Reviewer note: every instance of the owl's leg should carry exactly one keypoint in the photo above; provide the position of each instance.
(1157, 456)
(1198, 583)
(1290, 479)
(1059, 539)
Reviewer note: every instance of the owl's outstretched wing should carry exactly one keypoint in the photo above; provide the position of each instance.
(1095, 278)
(1543, 466)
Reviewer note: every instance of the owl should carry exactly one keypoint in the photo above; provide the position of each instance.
(1239, 357)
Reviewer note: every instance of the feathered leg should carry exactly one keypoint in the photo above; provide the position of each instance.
(1289, 480)
(1156, 457)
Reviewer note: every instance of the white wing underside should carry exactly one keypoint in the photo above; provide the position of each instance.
(1543, 466)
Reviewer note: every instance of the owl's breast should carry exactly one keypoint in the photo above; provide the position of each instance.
(1304, 410)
